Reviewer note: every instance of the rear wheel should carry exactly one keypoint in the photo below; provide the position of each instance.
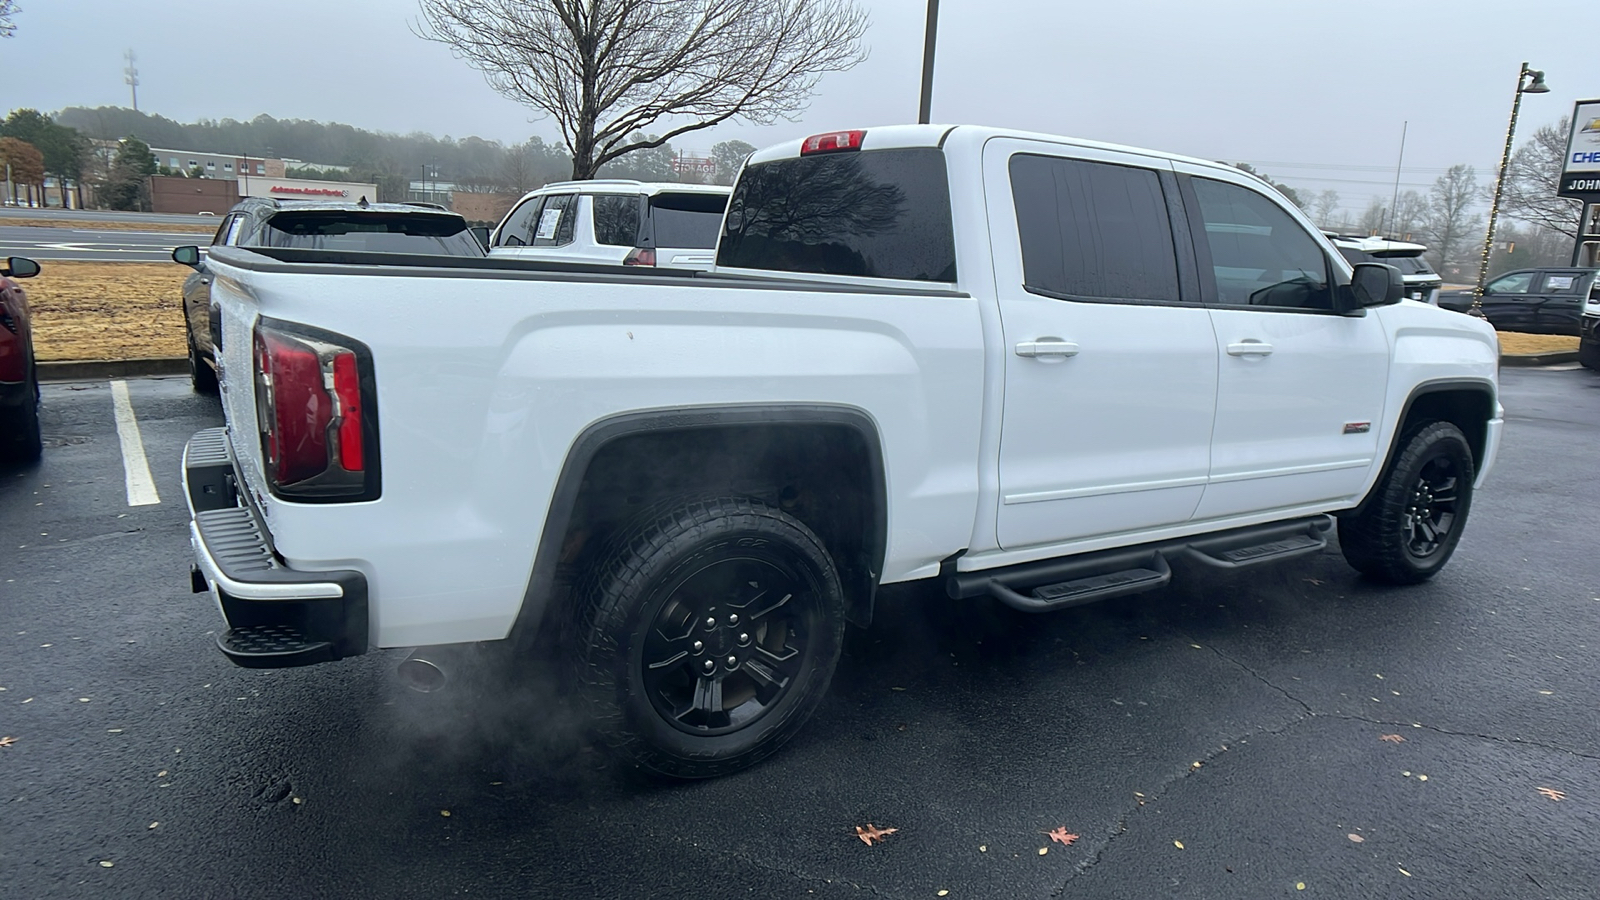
(1412, 522)
(20, 438)
(705, 636)
(201, 375)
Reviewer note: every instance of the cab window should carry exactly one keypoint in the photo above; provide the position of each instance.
(1515, 283)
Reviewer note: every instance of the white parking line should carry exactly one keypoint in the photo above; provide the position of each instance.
(135, 468)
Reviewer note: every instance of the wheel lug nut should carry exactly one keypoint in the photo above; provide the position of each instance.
(733, 661)
(744, 638)
(710, 666)
(699, 645)
(733, 619)
(711, 623)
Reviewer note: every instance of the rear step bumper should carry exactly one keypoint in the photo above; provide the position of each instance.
(1076, 580)
(277, 616)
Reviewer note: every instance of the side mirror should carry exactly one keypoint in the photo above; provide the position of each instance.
(481, 232)
(1376, 284)
(189, 256)
(20, 267)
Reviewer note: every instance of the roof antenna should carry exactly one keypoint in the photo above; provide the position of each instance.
(363, 202)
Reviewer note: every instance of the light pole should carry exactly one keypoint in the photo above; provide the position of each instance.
(929, 40)
(1536, 86)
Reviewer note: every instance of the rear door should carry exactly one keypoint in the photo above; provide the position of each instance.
(1300, 387)
(1561, 296)
(1110, 367)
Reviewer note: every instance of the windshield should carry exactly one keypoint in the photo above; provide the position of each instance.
(878, 213)
(381, 232)
(687, 221)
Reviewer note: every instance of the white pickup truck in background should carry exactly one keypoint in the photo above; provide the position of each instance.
(1034, 368)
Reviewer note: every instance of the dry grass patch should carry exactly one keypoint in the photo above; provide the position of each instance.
(96, 310)
(1518, 344)
(185, 227)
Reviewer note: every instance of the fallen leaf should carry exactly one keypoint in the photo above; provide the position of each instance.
(1299, 885)
(1422, 778)
(7, 741)
(152, 824)
(106, 863)
(873, 833)
(1043, 850)
(1356, 837)
(1393, 739)
(445, 813)
(1194, 765)
(1178, 844)
(1553, 794)
(1061, 836)
(1404, 872)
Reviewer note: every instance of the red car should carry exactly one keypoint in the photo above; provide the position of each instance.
(19, 381)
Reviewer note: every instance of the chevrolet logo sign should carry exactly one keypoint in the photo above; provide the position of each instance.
(1593, 126)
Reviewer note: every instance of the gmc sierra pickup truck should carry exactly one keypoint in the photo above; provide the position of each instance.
(1036, 369)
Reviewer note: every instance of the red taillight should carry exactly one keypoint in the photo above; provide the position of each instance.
(640, 256)
(832, 142)
(313, 416)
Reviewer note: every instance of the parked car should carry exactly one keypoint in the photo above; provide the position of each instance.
(1027, 368)
(1533, 301)
(20, 440)
(1422, 283)
(633, 223)
(406, 228)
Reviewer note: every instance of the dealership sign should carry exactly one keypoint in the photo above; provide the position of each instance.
(1580, 171)
(309, 191)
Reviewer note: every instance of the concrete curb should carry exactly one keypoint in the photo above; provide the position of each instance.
(1538, 359)
(98, 369)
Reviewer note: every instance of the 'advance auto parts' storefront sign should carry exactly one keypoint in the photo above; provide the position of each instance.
(306, 189)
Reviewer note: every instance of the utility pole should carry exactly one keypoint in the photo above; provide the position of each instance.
(130, 75)
(929, 40)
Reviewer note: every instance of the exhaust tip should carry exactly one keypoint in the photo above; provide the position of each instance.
(420, 675)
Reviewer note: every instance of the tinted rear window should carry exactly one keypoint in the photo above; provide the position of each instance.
(687, 221)
(877, 213)
(1408, 264)
(1093, 230)
(372, 233)
(616, 219)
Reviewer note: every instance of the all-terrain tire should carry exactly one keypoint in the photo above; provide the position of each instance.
(1589, 354)
(704, 636)
(1411, 523)
(201, 375)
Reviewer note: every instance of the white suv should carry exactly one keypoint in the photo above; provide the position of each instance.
(1422, 283)
(611, 222)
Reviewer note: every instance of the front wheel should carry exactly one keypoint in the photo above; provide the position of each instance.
(706, 635)
(1414, 517)
(1589, 354)
(201, 375)
(21, 440)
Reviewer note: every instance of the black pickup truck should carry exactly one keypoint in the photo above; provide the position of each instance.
(1533, 301)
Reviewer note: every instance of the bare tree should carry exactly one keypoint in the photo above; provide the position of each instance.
(606, 70)
(1410, 211)
(1326, 204)
(8, 8)
(1371, 221)
(1532, 180)
(1449, 220)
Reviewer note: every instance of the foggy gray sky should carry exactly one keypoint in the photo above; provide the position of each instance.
(1314, 94)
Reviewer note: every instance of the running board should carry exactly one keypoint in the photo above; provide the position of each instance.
(1075, 580)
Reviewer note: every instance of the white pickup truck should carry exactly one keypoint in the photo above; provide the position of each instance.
(1034, 368)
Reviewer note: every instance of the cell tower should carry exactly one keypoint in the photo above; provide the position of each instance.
(130, 74)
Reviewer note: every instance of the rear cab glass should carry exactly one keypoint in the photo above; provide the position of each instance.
(868, 213)
(683, 220)
(375, 232)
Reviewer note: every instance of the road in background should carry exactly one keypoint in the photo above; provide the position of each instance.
(98, 215)
(1229, 736)
(99, 246)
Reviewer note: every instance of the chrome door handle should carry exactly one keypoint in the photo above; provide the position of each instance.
(1047, 348)
(1250, 348)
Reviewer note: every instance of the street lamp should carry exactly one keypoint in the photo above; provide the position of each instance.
(1536, 86)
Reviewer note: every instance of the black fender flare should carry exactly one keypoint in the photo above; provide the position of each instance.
(1432, 386)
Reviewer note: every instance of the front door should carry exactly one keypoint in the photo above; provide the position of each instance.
(1301, 388)
(1110, 365)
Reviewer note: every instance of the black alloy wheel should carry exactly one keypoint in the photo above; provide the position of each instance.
(1409, 525)
(705, 634)
(21, 439)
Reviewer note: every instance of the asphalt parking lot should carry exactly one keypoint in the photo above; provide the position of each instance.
(1289, 731)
